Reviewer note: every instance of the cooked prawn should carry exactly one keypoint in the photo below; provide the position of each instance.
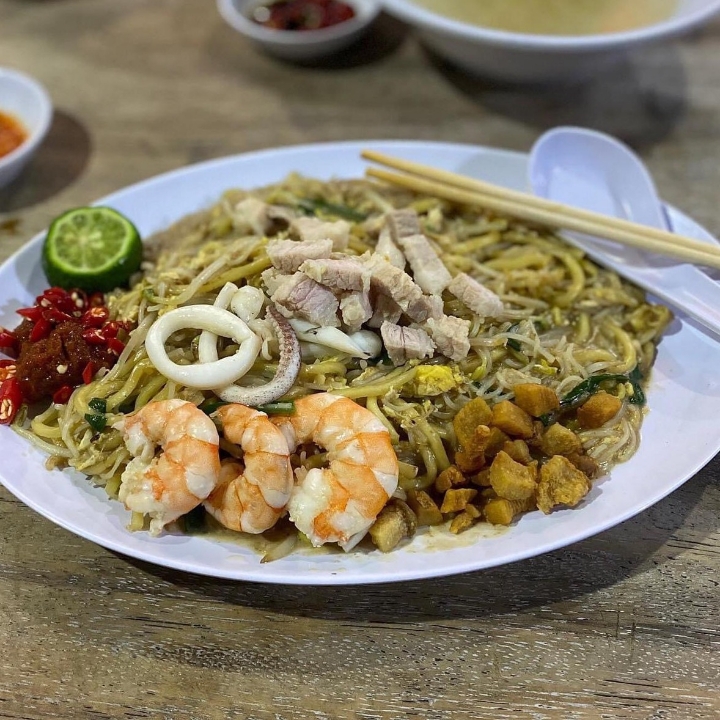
(183, 475)
(251, 497)
(340, 503)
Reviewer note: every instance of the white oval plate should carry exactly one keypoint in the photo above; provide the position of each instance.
(684, 399)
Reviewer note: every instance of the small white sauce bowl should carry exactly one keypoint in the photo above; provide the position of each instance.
(27, 100)
(299, 45)
(527, 58)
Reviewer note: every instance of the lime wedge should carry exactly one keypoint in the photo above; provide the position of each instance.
(91, 248)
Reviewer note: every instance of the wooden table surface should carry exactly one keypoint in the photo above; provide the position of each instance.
(623, 625)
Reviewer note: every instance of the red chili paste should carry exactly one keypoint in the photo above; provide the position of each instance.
(63, 340)
(12, 134)
(303, 14)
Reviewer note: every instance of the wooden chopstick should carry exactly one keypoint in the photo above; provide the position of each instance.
(531, 208)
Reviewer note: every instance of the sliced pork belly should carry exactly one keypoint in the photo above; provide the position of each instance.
(404, 343)
(450, 335)
(429, 306)
(251, 215)
(300, 296)
(288, 255)
(345, 273)
(388, 250)
(385, 309)
(355, 309)
(403, 223)
(428, 269)
(388, 280)
(280, 215)
(477, 297)
(308, 229)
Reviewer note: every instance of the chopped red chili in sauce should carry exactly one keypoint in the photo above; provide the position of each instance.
(302, 14)
(12, 134)
(10, 400)
(63, 340)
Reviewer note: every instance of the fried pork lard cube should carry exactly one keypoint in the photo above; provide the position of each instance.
(561, 483)
(535, 399)
(513, 420)
(510, 479)
(559, 440)
(598, 410)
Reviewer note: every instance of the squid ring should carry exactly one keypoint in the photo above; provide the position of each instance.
(245, 302)
(203, 376)
(207, 343)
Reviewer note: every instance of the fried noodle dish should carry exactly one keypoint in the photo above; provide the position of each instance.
(332, 361)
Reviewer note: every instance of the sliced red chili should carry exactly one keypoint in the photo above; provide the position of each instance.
(88, 373)
(95, 317)
(8, 369)
(115, 346)
(8, 342)
(110, 330)
(53, 295)
(10, 400)
(80, 298)
(93, 336)
(118, 328)
(41, 330)
(56, 316)
(31, 313)
(59, 298)
(67, 306)
(96, 299)
(62, 395)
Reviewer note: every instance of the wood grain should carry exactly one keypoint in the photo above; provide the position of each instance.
(624, 625)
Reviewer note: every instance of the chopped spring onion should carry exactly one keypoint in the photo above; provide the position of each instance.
(278, 408)
(581, 392)
(512, 343)
(99, 405)
(195, 522)
(313, 206)
(273, 408)
(589, 387)
(97, 420)
(211, 405)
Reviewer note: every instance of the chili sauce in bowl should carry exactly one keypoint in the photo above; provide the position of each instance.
(302, 14)
(300, 30)
(25, 117)
(12, 133)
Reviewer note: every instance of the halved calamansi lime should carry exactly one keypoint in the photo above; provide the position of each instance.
(91, 248)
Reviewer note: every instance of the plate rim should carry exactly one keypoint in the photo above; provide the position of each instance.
(253, 573)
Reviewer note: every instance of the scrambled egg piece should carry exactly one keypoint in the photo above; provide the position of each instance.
(435, 380)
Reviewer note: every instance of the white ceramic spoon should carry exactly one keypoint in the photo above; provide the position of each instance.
(593, 171)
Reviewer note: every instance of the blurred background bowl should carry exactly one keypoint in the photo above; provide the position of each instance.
(299, 45)
(528, 58)
(27, 101)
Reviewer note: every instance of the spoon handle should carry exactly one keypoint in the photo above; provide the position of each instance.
(682, 286)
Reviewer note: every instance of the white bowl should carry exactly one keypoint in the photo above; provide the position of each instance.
(517, 57)
(299, 45)
(27, 100)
